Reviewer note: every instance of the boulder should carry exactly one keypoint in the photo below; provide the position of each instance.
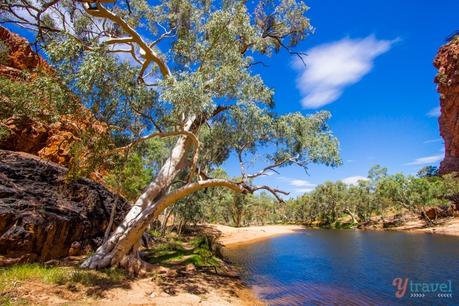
(44, 216)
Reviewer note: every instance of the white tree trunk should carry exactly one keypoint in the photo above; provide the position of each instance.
(111, 251)
(126, 239)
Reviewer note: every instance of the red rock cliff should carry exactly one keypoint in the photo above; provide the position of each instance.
(42, 215)
(20, 55)
(447, 79)
(53, 141)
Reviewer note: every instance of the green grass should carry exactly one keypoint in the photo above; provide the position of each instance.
(57, 275)
(26, 272)
(12, 277)
(196, 251)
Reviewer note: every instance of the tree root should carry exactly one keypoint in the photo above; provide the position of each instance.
(135, 266)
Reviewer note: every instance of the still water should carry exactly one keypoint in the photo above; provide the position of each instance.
(347, 267)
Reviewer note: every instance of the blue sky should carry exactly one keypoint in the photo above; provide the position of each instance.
(370, 65)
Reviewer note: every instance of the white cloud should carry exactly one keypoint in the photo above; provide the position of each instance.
(301, 183)
(434, 112)
(331, 67)
(433, 140)
(303, 190)
(353, 180)
(299, 186)
(427, 160)
(302, 186)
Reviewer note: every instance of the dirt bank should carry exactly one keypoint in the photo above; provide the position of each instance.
(448, 227)
(198, 289)
(184, 272)
(233, 236)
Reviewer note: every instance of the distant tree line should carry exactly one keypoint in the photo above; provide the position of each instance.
(378, 197)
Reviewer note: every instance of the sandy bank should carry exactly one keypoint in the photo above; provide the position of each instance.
(233, 236)
(196, 289)
(449, 227)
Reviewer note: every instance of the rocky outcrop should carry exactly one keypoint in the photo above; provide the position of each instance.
(43, 216)
(52, 141)
(447, 79)
(19, 55)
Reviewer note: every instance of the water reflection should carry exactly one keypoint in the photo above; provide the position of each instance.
(323, 267)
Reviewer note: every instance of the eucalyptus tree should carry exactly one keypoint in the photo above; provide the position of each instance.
(330, 200)
(181, 70)
(362, 199)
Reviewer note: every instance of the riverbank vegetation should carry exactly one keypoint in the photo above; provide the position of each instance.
(378, 198)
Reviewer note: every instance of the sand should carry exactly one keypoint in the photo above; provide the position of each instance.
(449, 227)
(197, 289)
(234, 236)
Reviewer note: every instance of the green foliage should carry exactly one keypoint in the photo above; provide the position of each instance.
(4, 50)
(375, 174)
(4, 133)
(427, 171)
(209, 79)
(330, 202)
(223, 206)
(131, 173)
(41, 98)
(211, 53)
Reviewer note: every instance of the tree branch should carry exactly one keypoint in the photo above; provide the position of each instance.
(101, 12)
(248, 188)
(271, 168)
(188, 134)
(274, 191)
(161, 135)
(120, 40)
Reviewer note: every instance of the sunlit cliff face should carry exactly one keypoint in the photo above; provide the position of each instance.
(447, 63)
